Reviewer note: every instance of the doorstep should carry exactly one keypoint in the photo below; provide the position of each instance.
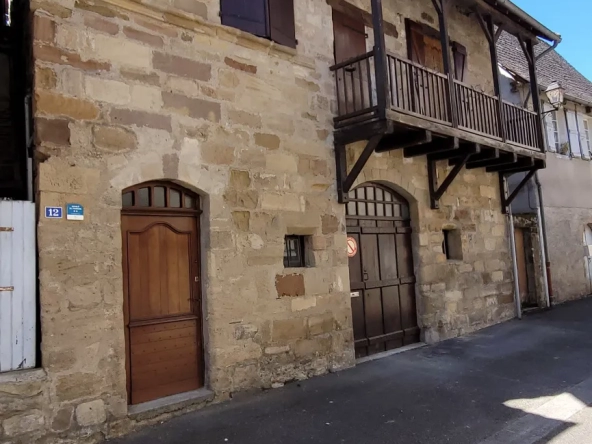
(170, 404)
(386, 354)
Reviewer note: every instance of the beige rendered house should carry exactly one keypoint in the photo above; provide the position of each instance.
(216, 198)
(565, 183)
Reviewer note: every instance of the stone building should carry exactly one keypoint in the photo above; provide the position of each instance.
(216, 167)
(566, 204)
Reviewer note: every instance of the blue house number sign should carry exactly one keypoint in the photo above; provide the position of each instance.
(74, 212)
(53, 212)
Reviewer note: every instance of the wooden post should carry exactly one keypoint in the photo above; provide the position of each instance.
(490, 34)
(380, 59)
(534, 88)
(440, 6)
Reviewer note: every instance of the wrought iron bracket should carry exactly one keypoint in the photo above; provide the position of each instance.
(507, 199)
(436, 192)
(346, 180)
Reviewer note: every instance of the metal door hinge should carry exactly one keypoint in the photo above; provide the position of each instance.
(196, 278)
(6, 288)
(6, 229)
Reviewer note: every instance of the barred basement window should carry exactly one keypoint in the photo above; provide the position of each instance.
(294, 252)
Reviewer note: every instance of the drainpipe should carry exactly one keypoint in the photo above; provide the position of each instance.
(544, 242)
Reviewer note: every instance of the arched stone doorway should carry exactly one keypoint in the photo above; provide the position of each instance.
(162, 295)
(381, 270)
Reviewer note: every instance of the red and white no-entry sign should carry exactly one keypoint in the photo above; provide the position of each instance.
(352, 247)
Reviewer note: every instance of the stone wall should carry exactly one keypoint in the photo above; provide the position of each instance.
(454, 297)
(128, 91)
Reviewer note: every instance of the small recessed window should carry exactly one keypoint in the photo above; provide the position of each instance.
(452, 245)
(294, 252)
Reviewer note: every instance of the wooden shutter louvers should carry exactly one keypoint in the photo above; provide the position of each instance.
(282, 22)
(247, 15)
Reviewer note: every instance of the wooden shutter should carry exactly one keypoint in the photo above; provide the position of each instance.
(574, 136)
(583, 139)
(282, 22)
(247, 15)
(416, 45)
(349, 35)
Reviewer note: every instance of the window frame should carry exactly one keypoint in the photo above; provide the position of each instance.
(555, 127)
(300, 260)
(459, 50)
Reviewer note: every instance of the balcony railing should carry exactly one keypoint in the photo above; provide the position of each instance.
(418, 91)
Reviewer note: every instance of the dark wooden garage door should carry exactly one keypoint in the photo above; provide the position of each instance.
(162, 293)
(381, 270)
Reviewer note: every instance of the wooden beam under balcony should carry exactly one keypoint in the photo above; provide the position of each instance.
(436, 146)
(404, 139)
(442, 129)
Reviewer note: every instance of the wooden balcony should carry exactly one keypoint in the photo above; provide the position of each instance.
(419, 98)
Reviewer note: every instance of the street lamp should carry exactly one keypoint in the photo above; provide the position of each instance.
(556, 94)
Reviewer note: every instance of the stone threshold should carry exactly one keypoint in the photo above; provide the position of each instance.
(23, 376)
(170, 404)
(391, 353)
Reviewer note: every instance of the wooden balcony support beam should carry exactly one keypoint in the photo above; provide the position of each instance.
(436, 192)
(506, 159)
(435, 146)
(380, 59)
(520, 164)
(508, 199)
(456, 153)
(404, 140)
(345, 181)
(486, 154)
(440, 6)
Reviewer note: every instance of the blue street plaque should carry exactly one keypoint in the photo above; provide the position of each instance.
(53, 212)
(74, 212)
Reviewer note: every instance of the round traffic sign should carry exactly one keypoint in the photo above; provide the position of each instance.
(352, 247)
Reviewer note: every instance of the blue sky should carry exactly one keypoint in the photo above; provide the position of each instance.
(573, 20)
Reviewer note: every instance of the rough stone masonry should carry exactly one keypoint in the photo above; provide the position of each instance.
(128, 91)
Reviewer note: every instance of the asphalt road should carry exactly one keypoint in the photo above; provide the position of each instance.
(521, 382)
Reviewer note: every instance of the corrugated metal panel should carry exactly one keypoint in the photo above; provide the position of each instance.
(17, 285)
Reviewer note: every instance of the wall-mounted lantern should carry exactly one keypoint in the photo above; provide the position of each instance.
(556, 95)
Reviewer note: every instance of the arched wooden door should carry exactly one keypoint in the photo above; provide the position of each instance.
(162, 301)
(381, 270)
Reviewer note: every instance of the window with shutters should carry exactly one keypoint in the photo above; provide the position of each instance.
(271, 19)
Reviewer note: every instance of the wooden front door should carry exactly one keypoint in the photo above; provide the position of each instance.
(381, 270)
(163, 322)
(350, 42)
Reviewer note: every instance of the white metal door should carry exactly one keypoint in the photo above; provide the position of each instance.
(17, 285)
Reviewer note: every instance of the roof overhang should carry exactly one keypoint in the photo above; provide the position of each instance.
(513, 19)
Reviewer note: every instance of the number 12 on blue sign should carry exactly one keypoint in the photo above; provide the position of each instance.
(53, 212)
